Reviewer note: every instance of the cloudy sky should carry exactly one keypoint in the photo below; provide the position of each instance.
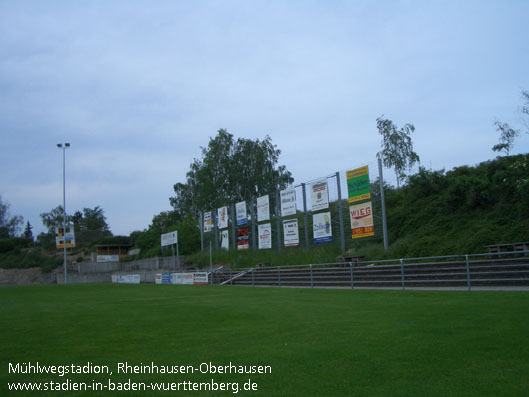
(137, 87)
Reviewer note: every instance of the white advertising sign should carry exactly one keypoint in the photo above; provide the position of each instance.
(362, 220)
(319, 197)
(200, 278)
(265, 236)
(322, 227)
(207, 222)
(61, 235)
(107, 258)
(70, 242)
(291, 233)
(242, 215)
(225, 240)
(170, 238)
(181, 278)
(263, 208)
(126, 279)
(162, 278)
(222, 217)
(288, 202)
(189, 278)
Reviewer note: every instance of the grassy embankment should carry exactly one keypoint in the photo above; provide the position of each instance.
(435, 213)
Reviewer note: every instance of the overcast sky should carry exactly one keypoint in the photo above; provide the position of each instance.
(137, 87)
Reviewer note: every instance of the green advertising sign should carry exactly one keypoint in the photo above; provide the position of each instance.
(358, 184)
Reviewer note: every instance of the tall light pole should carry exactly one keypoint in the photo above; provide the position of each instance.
(64, 147)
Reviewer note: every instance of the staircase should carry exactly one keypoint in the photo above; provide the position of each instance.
(497, 272)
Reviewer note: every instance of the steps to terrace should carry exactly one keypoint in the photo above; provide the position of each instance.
(464, 271)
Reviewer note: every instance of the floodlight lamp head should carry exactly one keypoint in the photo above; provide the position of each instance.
(67, 145)
(59, 145)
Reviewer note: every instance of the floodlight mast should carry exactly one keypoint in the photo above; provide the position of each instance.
(64, 147)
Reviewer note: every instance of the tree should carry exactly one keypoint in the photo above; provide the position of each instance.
(525, 110)
(507, 137)
(509, 134)
(89, 225)
(28, 234)
(54, 218)
(397, 147)
(149, 240)
(162, 222)
(9, 225)
(94, 220)
(230, 171)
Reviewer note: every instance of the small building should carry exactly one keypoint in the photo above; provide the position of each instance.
(111, 252)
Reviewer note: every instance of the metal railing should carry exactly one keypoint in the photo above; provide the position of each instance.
(155, 263)
(506, 269)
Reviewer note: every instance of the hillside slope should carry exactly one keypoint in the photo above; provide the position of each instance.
(460, 211)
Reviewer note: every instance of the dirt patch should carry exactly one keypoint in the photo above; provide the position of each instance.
(20, 276)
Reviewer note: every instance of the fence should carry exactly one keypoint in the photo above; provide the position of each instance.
(338, 209)
(456, 271)
(169, 263)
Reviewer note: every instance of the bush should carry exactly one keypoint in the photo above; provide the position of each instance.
(13, 243)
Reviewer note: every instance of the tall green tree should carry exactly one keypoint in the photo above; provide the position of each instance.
(148, 241)
(9, 225)
(28, 234)
(94, 219)
(525, 110)
(397, 147)
(54, 218)
(89, 225)
(229, 171)
(509, 134)
(507, 137)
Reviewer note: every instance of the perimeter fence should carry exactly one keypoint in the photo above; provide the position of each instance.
(339, 209)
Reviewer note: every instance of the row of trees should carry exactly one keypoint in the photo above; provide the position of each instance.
(88, 220)
(236, 170)
(90, 224)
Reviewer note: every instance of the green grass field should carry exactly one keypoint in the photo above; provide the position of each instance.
(317, 342)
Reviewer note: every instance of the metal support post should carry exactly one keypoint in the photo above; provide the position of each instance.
(352, 280)
(233, 227)
(201, 227)
(63, 147)
(311, 280)
(340, 211)
(402, 272)
(254, 222)
(278, 223)
(279, 276)
(468, 272)
(253, 282)
(210, 257)
(215, 228)
(305, 217)
(383, 203)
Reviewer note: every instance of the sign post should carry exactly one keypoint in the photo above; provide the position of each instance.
(172, 240)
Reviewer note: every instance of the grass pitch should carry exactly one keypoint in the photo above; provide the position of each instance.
(317, 342)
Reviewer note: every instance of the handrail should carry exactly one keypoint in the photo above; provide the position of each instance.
(236, 276)
(397, 262)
